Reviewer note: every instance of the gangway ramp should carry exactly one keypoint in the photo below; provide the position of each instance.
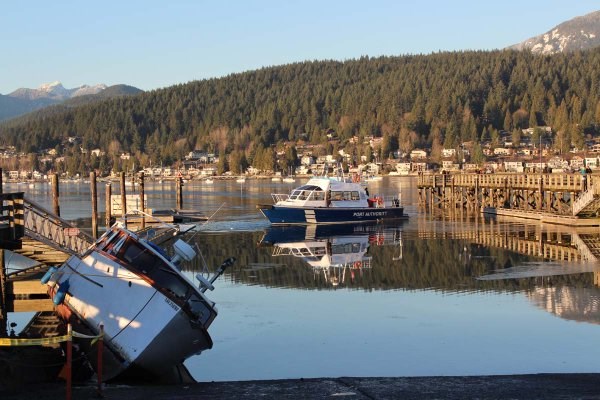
(52, 230)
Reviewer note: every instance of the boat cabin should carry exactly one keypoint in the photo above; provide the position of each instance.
(152, 264)
(325, 192)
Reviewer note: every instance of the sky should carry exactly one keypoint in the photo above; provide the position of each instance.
(153, 44)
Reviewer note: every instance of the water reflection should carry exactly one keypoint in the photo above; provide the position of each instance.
(334, 253)
(470, 254)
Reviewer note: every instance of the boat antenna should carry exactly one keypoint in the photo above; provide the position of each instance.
(207, 221)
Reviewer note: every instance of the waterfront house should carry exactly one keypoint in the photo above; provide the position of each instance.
(535, 166)
(403, 168)
(503, 151)
(576, 162)
(418, 154)
(447, 153)
(558, 164)
(419, 166)
(208, 170)
(513, 166)
(592, 162)
(449, 165)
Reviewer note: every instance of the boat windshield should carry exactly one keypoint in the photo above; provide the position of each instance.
(308, 192)
(143, 261)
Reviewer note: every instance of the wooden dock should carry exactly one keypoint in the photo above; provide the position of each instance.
(566, 199)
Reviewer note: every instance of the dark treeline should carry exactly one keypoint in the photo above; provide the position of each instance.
(411, 101)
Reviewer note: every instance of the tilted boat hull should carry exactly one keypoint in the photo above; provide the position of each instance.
(295, 215)
(146, 333)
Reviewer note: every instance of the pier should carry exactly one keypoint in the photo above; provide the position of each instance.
(566, 199)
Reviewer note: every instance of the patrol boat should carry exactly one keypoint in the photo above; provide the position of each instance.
(331, 200)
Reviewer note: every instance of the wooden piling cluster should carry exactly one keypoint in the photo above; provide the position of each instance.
(552, 194)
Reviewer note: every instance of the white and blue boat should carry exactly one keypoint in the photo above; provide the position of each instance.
(331, 200)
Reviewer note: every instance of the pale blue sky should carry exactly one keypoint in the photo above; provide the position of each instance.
(152, 44)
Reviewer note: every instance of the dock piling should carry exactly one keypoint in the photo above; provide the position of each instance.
(94, 194)
(123, 199)
(55, 195)
(142, 194)
(107, 205)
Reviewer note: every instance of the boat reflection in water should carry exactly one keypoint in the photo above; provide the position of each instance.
(337, 253)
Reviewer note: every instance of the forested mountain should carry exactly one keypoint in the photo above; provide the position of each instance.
(411, 101)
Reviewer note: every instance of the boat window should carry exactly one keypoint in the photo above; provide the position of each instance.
(355, 196)
(347, 248)
(105, 239)
(317, 195)
(139, 257)
(337, 196)
(114, 244)
(309, 187)
(142, 260)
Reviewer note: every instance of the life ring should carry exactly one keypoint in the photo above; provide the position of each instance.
(379, 201)
(357, 264)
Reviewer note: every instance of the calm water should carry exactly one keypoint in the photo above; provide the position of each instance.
(394, 300)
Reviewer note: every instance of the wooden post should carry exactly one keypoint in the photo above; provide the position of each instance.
(3, 297)
(123, 199)
(541, 193)
(68, 367)
(55, 195)
(143, 223)
(1, 180)
(107, 205)
(94, 193)
(179, 192)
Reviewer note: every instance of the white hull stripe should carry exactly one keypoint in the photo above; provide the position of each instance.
(310, 216)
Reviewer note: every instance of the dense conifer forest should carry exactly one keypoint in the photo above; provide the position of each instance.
(412, 101)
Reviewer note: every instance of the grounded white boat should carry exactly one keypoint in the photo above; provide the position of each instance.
(330, 200)
(153, 316)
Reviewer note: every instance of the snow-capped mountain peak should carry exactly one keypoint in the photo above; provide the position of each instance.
(579, 33)
(56, 91)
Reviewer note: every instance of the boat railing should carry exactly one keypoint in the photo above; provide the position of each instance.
(277, 197)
